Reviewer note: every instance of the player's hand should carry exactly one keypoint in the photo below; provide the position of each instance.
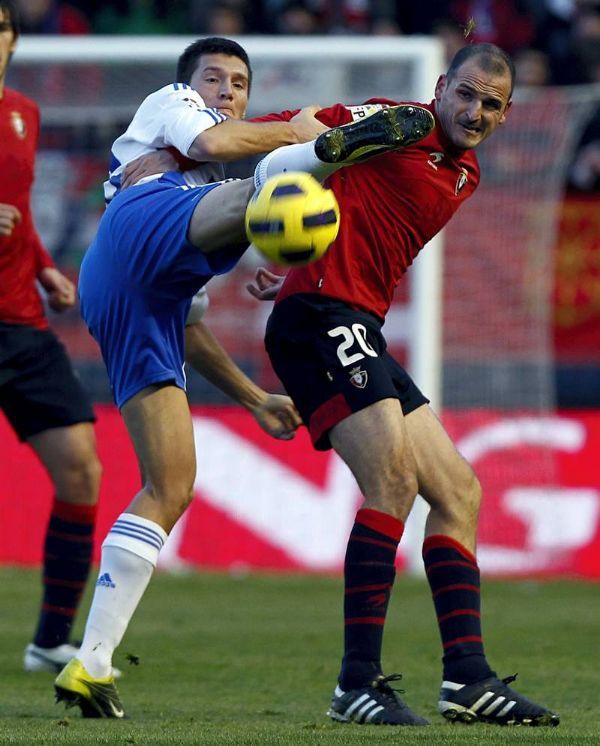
(60, 290)
(9, 217)
(277, 416)
(148, 165)
(266, 284)
(306, 125)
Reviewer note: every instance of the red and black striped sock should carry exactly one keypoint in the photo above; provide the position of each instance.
(67, 560)
(369, 572)
(453, 576)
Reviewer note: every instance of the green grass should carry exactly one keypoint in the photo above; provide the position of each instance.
(253, 660)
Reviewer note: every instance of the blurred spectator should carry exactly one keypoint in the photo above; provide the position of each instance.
(558, 24)
(501, 22)
(585, 171)
(389, 16)
(216, 17)
(344, 16)
(532, 68)
(296, 18)
(225, 19)
(138, 17)
(385, 27)
(332, 16)
(586, 44)
(51, 17)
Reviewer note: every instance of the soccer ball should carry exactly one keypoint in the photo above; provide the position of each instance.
(292, 220)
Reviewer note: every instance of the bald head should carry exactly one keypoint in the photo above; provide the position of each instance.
(490, 58)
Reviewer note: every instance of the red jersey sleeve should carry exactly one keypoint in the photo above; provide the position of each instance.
(331, 116)
(22, 255)
(42, 257)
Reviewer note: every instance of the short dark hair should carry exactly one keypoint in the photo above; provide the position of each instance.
(491, 58)
(188, 61)
(10, 8)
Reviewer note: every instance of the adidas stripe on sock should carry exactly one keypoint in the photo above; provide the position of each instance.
(129, 556)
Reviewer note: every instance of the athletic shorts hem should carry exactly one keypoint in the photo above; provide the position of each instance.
(335, 410)
(146, 383)
(37, 430)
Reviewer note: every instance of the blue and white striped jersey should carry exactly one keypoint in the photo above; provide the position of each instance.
(172, 116)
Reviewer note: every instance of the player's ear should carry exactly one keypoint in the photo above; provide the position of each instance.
(505, 112)
(440, 86)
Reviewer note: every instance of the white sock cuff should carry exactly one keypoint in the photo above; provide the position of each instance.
(137, 535)
(298, 157)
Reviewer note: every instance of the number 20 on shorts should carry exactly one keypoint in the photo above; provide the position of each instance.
(356, 334)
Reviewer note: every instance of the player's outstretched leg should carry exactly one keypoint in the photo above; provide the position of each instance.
(97, 698)
(492, 701)
(387, 129)
(375, 704)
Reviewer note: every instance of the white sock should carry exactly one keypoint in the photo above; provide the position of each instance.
(300, 157)
(129, 556)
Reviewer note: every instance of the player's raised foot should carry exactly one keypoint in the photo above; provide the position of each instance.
(374, 704)
(386, 129)
(491, 701)
(52, 660)
(96, 698)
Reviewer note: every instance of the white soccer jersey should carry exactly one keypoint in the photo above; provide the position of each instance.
(172, 116)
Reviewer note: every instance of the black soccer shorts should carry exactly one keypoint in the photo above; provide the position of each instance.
(38, 387)
(332, 361)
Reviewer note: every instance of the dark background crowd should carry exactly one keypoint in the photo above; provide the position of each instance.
(553, 41)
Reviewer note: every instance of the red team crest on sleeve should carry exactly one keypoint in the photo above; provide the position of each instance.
(18, 124)
(461, 181)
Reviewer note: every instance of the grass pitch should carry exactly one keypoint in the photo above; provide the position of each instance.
(253, 661)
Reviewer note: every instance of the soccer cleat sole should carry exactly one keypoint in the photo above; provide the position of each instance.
(459, 714)
(89, 707)
(374, 704)
(96, 698)
(387, 129)
(492, 701)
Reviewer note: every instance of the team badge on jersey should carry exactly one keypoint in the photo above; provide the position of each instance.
(461, 181)
(359, 377)
(435, 158)
(18, 124)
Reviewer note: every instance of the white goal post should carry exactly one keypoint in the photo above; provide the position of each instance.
(288, 72)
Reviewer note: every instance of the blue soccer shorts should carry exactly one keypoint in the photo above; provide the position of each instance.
(138, 278)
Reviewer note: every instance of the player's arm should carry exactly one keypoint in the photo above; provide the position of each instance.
(59, 289)
(275, 414)
(227, 142)
(235, 139)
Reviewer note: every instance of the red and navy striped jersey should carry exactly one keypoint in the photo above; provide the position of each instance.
(390, 207)
(22, 255)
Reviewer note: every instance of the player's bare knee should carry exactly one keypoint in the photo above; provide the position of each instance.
(459, 506)
(172, 496)
(467, 491)
(78, 478)
(394, 495)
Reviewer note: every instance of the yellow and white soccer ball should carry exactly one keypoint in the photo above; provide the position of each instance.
(292, 220)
